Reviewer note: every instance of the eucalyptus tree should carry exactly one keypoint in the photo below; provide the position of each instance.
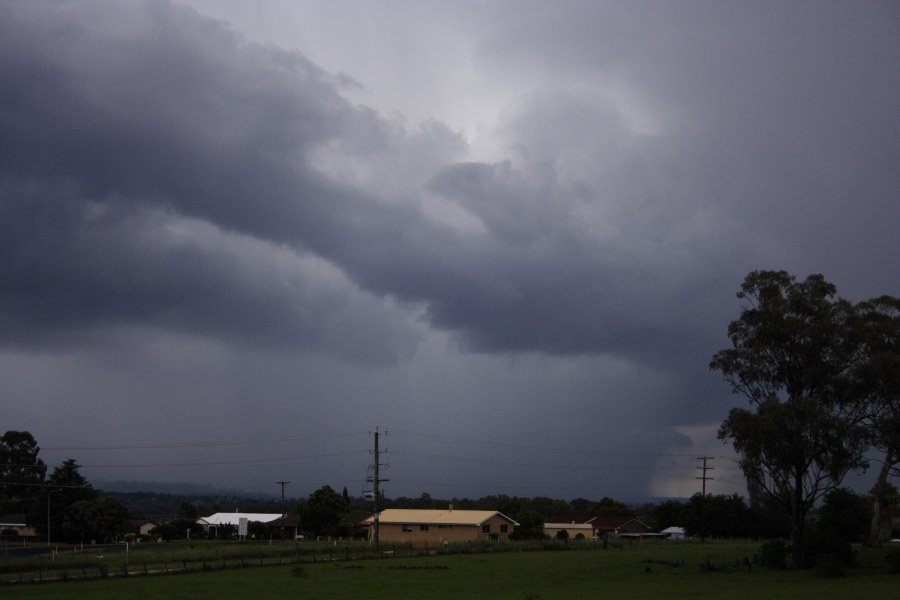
(877, 385)
(793, 352)
(22, 472)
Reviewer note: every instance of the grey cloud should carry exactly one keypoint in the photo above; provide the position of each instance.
(181, 116)
(168, 186)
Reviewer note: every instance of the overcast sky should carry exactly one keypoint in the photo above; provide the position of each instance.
(237, 237)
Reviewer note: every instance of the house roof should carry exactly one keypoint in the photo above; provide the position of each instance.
(235, 517)
(288, 521)
(673, 530)
(594, 521)
(577, 519)
(437, 516)
(573, 526)
(615, 522)
(140, 522)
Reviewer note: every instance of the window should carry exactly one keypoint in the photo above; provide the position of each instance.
(504, 528)
(423, 527)
(486, 528)
(406, 528)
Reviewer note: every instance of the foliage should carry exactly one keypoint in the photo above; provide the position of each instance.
(668, 514)
(258, 530)
(531, 526)
(719, 515)
(321, 513)
(773, 554)
(102, 519)
(65, 487)
(607, 507)
(846, 514)
(892, 560)
(877, 381)
(793, 351)
(21, 472)
(184, 524)
(827, 552)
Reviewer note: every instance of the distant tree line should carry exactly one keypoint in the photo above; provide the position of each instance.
(63, 501)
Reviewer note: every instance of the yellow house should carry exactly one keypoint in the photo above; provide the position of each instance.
(435, 527)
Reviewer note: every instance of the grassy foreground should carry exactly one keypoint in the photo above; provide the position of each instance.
(659, 571)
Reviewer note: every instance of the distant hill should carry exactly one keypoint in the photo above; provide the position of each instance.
(177, 488)
(163, 500)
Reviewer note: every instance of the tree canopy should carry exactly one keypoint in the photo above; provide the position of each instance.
(794, 350)
(21, 471)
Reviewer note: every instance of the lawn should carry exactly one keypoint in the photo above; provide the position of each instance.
(659, 571)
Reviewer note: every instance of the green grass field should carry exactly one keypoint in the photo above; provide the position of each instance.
(657, 571)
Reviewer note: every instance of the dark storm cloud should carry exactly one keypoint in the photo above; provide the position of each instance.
(115, 129)
(119, 121)
(111, 139)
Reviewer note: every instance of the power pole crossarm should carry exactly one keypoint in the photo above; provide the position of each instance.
(704, 478)
(283, 508)
(376, 481)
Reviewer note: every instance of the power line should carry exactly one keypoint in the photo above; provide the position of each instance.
(704, 478)
(401, 452)
(207, 444)
(223, 462)
(491, 444)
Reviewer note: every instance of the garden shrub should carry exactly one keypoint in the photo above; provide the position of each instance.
(773, 554)
(892, 560)
(828, 552)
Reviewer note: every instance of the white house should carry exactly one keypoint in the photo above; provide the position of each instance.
(674, 533)
(212, 523)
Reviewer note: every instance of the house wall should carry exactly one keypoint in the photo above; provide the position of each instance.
(435, 535)
(586, 530)
(634, 527)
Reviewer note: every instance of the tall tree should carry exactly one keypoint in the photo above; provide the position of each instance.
(65, 486)
(321, 513)
(102, 520)
(877, 382)
(21, 472)
(792, 354)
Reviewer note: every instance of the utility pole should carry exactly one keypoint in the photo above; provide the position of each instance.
(283, 509)
(704, 478)
(376, 481)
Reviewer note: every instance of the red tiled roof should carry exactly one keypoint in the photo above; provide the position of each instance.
(577, 519)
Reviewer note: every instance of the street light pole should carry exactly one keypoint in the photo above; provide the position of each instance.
(48, 514)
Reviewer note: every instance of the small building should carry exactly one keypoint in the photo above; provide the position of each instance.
(440, 526)
(142, 526)
(285, 528)
(674, 533)
(213, 523)
(593, 527)
(13, 526)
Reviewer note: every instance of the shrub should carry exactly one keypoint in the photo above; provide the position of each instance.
(892, 560)
(828, 552)
(773, 554)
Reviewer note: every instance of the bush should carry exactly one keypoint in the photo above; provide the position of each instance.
(773, 554)
(828, 552)
(892, 560)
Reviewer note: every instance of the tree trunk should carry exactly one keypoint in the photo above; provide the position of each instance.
(881, 508)
(797, 521)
